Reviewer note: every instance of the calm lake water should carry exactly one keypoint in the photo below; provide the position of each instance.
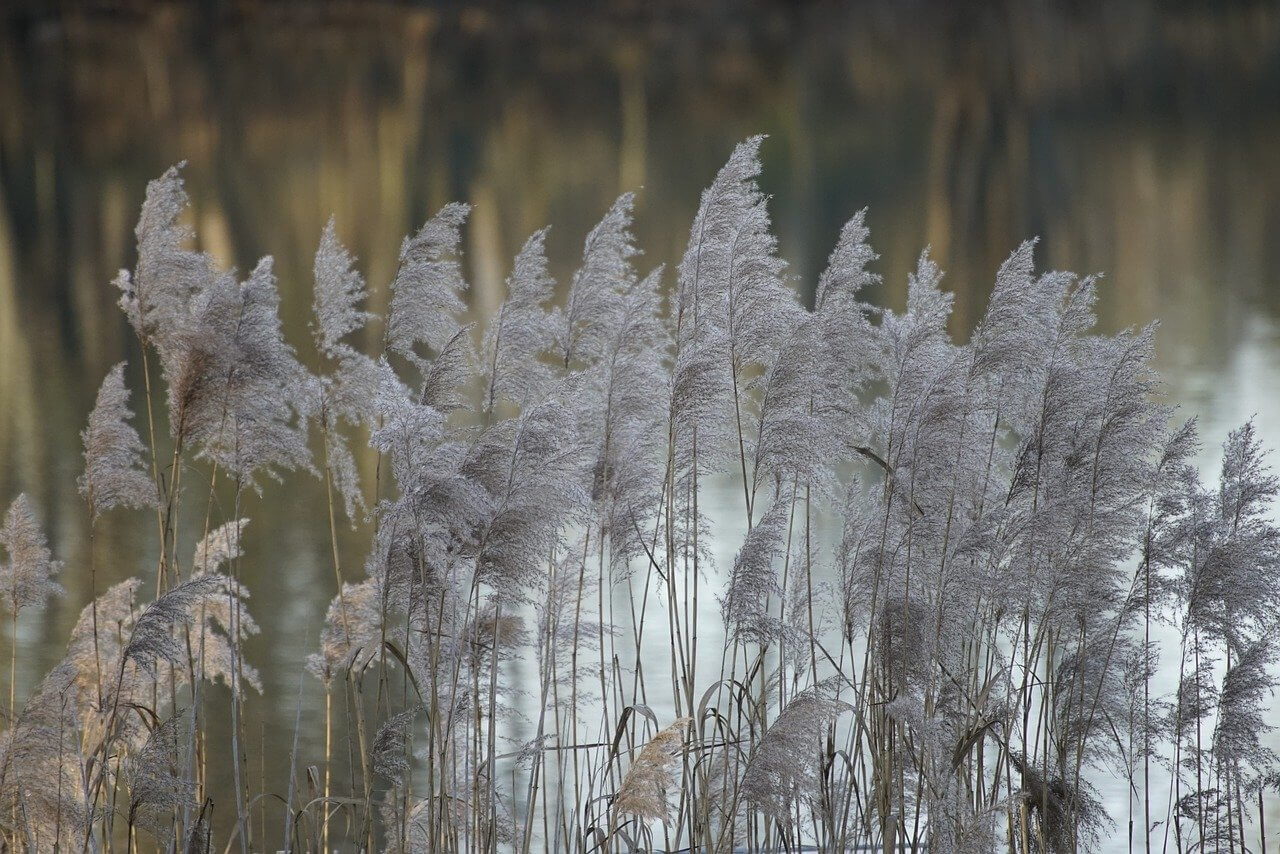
(1141, 143)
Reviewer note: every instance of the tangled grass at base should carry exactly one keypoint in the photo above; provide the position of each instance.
(1016, 518)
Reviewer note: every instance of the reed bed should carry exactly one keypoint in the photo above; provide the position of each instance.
(1018, 528)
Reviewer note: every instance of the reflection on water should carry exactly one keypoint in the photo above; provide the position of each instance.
(1134, 141)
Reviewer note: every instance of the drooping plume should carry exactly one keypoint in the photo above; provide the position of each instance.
(157, 784)
(154, 638)
(390, 750)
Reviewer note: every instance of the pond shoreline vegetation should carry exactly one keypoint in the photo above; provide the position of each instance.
(1018, 526)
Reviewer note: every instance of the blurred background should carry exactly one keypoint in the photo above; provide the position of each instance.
(1135, 138)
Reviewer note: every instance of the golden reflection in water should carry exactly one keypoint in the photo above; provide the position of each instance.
(1136, 142)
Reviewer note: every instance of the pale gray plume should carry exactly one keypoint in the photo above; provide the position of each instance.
(426, 296)
(846, 273)
(519, 333)
(26, 578)
(1240, 737)
(917, 361)
(1010, 339)
(594, 303)
(155, 296)
(242, 394)
(339, 290)
(409, 434)
(732, 309)
(1247, 481)
(797, 437)
(343, 395)
(355, 393)
(730, 276)
(533, 471)
(904, 639)
(1243, 572)
(627, 474)
(343, 472)
(114, 470)
(850, 346)
(1067, 816)
(445, 379)
(115, 612)
(235, 388)
(569, 630)
(917, 341)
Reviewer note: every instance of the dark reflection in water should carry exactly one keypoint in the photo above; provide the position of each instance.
(1135, 140)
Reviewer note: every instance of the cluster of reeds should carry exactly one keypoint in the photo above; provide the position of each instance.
(1018, 527)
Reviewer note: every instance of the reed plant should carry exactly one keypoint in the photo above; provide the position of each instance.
(542, 650)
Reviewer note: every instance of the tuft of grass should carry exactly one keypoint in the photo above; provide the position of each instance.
(952, 674)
